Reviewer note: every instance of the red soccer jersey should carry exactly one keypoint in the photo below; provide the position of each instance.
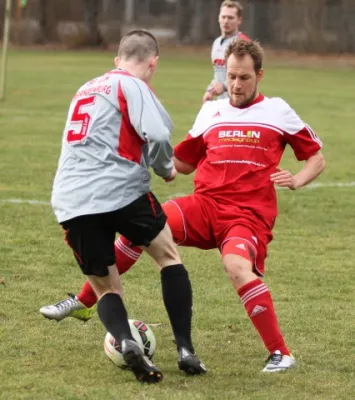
(235, 150)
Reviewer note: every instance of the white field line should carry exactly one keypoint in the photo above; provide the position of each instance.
(311, 186)
(24, 201)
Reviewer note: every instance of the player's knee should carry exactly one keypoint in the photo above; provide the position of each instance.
(236, 267)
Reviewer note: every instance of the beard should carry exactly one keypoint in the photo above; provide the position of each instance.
(246, 101)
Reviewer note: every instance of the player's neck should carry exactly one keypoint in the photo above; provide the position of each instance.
(255, 99)
(137, 70)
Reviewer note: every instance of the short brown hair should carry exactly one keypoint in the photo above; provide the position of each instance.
(241, 47)
(233, 4)
(138, 44)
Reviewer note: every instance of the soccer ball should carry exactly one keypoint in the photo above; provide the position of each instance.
(141, 333)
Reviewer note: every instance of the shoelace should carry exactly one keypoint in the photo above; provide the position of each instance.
(274, 358)
(66, 303)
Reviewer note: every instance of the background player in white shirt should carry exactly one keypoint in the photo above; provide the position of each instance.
(230, 18)
(116, 129)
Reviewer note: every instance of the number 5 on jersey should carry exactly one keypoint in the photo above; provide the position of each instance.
(80, 118)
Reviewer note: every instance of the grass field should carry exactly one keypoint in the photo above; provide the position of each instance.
(310, 268)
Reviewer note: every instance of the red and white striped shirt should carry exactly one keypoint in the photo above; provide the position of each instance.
(235, 150)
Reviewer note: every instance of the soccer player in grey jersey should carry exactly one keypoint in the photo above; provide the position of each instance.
(116, 129)
(230, 17)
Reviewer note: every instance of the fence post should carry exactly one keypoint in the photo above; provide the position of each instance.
(7, 22)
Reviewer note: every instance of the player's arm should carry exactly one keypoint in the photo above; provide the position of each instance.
(210, 86)
(183, 167)
(189, 153)
(153, 124)
(208, 95)
(312, 168)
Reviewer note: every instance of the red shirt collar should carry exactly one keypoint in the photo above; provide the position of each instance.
(257, 99)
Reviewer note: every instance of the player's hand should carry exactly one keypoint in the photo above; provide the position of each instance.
(217, 88)
(284, 178)
(208, 96)
(172, 176)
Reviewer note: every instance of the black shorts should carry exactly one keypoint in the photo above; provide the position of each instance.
(92, 237)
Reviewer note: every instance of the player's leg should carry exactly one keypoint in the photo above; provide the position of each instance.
(177, 296)
(189, 223)
(82, 305)
(113, 315)
(243, 258)
(176, 285)
(127, 254)
(91, 238)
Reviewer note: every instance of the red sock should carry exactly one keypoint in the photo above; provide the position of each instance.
(258, 303)
(126, 257)
(87, 295)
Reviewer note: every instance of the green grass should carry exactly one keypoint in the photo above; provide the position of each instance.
(310, 268)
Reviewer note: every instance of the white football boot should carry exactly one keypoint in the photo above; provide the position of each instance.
(278, 362)
(70, 307)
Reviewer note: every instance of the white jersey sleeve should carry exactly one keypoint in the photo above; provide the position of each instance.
(303, 140)
(203, 119)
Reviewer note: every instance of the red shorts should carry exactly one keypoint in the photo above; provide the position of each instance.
(198, 221)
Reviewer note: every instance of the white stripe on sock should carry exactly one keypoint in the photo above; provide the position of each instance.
(265, 290)
(126, 250)
(254, 292)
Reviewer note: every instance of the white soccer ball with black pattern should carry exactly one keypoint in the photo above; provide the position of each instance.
(142, 334)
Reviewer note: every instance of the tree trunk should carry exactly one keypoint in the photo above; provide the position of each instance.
(183, 19)
(91, 14)
(47, 21)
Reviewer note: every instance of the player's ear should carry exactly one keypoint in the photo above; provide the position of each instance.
(117, 60)
(154, 62)
(260, 75)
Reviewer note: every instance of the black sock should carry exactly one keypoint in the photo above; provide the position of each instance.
(113, 315)
(177, 295)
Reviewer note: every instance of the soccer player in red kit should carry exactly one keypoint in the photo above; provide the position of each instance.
(235, 147)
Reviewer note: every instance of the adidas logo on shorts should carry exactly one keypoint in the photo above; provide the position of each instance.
(240, 246)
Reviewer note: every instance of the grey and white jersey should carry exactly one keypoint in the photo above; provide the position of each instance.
(116, 129)
(219, 48)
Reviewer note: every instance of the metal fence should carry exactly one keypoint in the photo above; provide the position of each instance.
(305, 25)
